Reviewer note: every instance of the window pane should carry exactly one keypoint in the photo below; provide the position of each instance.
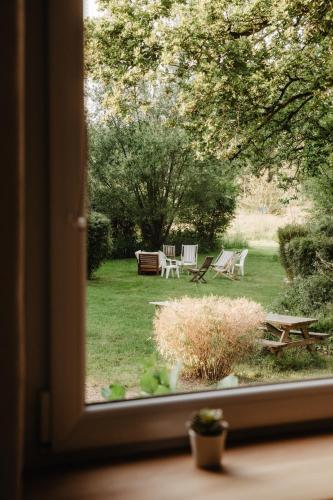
(210, 239)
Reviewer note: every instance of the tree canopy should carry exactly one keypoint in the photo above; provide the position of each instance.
(253, 77)
(145, 174)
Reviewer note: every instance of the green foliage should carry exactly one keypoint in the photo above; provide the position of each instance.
(325, 225)
(301, 255)
(145, 175)
(113, 392)
(302, 250)
(235, 241)
(285, 235)
(188, 236)
(99, 242)
(320, 190)
(156, 380)
(253, 79)
(304, 254)
(293, 360)
(306, 295)
(325, 320)
(307, 255)
(124, 245)
(207, 422)
(211, 203)
(311, 296)
(181, 236)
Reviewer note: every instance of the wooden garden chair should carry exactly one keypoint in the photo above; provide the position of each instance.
(222, 261)
(225, 266)
(169, 251)
(198, 274)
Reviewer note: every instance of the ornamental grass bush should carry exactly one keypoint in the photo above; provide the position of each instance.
(208, 335)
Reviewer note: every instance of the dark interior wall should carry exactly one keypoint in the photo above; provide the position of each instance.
(12, 245)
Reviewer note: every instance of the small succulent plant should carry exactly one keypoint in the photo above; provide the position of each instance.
(207, 422)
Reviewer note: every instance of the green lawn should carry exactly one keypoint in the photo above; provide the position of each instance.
(119, 323)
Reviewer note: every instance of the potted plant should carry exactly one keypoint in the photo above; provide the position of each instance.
(208, 433)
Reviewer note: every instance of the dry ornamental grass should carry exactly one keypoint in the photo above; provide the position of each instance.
(208, 335)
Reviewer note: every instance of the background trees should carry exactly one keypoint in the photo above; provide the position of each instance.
(254, 78)
(249, 82)
(145, 175)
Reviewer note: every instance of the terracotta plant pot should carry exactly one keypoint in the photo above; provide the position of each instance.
(208, 450)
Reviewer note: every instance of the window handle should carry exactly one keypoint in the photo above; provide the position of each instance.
(79, 222)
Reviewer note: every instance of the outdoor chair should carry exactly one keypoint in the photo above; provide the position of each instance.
(241, 260)
(198, 274)
(170, 251)
(189, 255)
(222, 259)
(168, 265)
(225, 264)
(148, 263)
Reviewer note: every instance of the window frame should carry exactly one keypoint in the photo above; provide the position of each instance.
(74, 425)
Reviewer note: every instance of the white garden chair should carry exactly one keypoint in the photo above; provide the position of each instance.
(168, 265)
(189, 255)
(241, 260)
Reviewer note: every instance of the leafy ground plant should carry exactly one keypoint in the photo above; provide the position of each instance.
(156, 380)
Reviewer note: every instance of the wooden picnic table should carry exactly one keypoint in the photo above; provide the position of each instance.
(286, 328)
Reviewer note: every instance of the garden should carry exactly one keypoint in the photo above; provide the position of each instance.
(211, 130)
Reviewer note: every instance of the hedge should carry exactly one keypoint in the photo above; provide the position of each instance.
(99, 241)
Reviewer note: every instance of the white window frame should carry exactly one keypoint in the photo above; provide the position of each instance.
(75, 425)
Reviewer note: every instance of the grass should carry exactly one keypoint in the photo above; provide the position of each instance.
(119, 320)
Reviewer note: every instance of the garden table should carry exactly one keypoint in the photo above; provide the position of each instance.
(286, 328)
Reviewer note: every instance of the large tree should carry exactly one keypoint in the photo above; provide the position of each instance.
(144, 174)
(141, 172)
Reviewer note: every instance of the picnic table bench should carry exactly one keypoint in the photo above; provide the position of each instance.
(286, 328)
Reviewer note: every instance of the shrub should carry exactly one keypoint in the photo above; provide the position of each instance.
(304, 254)
(325, 320)
(285, 235)
(99, 241)
(325, 226)
(123, 246)
(306, 296)
(301, 254)
(268, 365)
(208, 335)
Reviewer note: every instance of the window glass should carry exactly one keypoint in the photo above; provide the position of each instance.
(210, 236)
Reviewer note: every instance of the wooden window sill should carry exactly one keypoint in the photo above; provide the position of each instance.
(293, 469)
